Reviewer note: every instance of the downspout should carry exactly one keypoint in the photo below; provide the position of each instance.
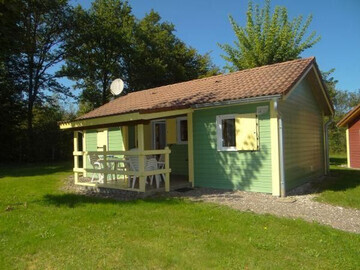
(327, 156)
(281, 151)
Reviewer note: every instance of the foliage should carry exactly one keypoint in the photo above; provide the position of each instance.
(343, 102)
(160, 58)
(33, 34)
(267, 38)
(99, 45)
(12, 106)
(108, 42)
(96, 47)
(42, 221)
(58, 143)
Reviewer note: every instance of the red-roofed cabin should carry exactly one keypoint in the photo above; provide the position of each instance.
(351, 122)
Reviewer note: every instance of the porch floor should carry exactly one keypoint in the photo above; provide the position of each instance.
(176, 182)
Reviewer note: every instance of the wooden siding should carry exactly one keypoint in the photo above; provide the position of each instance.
(354, 144)
(147, 137)
(91, 145)
(116, 142)
(91, 140)
(245, 170)
(179, 159)
(303, 136)
(131, 132)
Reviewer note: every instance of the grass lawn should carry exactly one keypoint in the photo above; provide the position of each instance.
(344, 188)
(44, 228)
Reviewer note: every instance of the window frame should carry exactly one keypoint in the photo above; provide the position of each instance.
(178, 130)
(219, 132)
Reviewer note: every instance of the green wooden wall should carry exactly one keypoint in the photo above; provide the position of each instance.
(303, 136)
(179, 159)
(115, 139)
(242, 170)
(91, 145)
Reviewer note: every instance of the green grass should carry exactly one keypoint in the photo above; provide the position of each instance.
(49, 229)
(343, 187)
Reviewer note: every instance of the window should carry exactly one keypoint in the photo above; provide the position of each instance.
(182, 131)
(226, 132)
(237, 132)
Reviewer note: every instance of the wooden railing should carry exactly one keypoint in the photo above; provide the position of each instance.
(142, 174)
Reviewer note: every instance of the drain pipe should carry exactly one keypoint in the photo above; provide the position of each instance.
(281, 151)
(327, 161)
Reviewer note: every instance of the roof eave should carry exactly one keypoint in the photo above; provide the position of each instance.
(349, 117)
(237, 101)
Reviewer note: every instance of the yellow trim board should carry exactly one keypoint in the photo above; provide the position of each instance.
(171, 131)
(121, 118)
(348, 147)
(275, 164)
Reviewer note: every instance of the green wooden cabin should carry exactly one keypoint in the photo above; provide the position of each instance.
(260, 130)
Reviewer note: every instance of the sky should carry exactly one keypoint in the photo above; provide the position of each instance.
(204, 23)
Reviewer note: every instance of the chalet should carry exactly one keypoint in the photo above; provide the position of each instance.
(260, 130)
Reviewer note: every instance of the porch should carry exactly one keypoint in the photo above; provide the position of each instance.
(124, 151)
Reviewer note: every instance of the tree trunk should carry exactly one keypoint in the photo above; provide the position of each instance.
(30, 134)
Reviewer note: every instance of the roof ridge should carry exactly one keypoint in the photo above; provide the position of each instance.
(221, 75)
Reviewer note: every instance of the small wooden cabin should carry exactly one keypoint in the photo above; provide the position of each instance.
(260, 129)
(351, 122)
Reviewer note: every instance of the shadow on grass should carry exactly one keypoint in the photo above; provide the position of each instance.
(337, 161)
(343, 179)
(339, 180)
(75, 200)
(25, 170)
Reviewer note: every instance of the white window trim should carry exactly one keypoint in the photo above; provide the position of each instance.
(219, 119)
(178, 135)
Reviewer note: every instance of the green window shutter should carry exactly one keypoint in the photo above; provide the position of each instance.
(246, 132)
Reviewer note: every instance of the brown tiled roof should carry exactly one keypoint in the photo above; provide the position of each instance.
(256, 82)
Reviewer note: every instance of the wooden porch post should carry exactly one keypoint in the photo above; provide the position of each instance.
(190, 147)
(167, 166)
(76, 157)
(125, 137)
(105, 164)
(142, 178)
(84, 150)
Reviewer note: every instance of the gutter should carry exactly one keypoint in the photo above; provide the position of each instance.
(281, 151)
(327, 156)
(236, 101)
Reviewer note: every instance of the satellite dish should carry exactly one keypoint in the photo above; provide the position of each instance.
(116, 87)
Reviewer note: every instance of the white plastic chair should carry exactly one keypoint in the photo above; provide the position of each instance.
(150, 165)
(161, 164)
(94, 161)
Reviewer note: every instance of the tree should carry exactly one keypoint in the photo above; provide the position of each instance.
(160, 58)
(11, 109)
(267, 38)
(42, 26)
(108, 42)
(96, 48)
(343, 101)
